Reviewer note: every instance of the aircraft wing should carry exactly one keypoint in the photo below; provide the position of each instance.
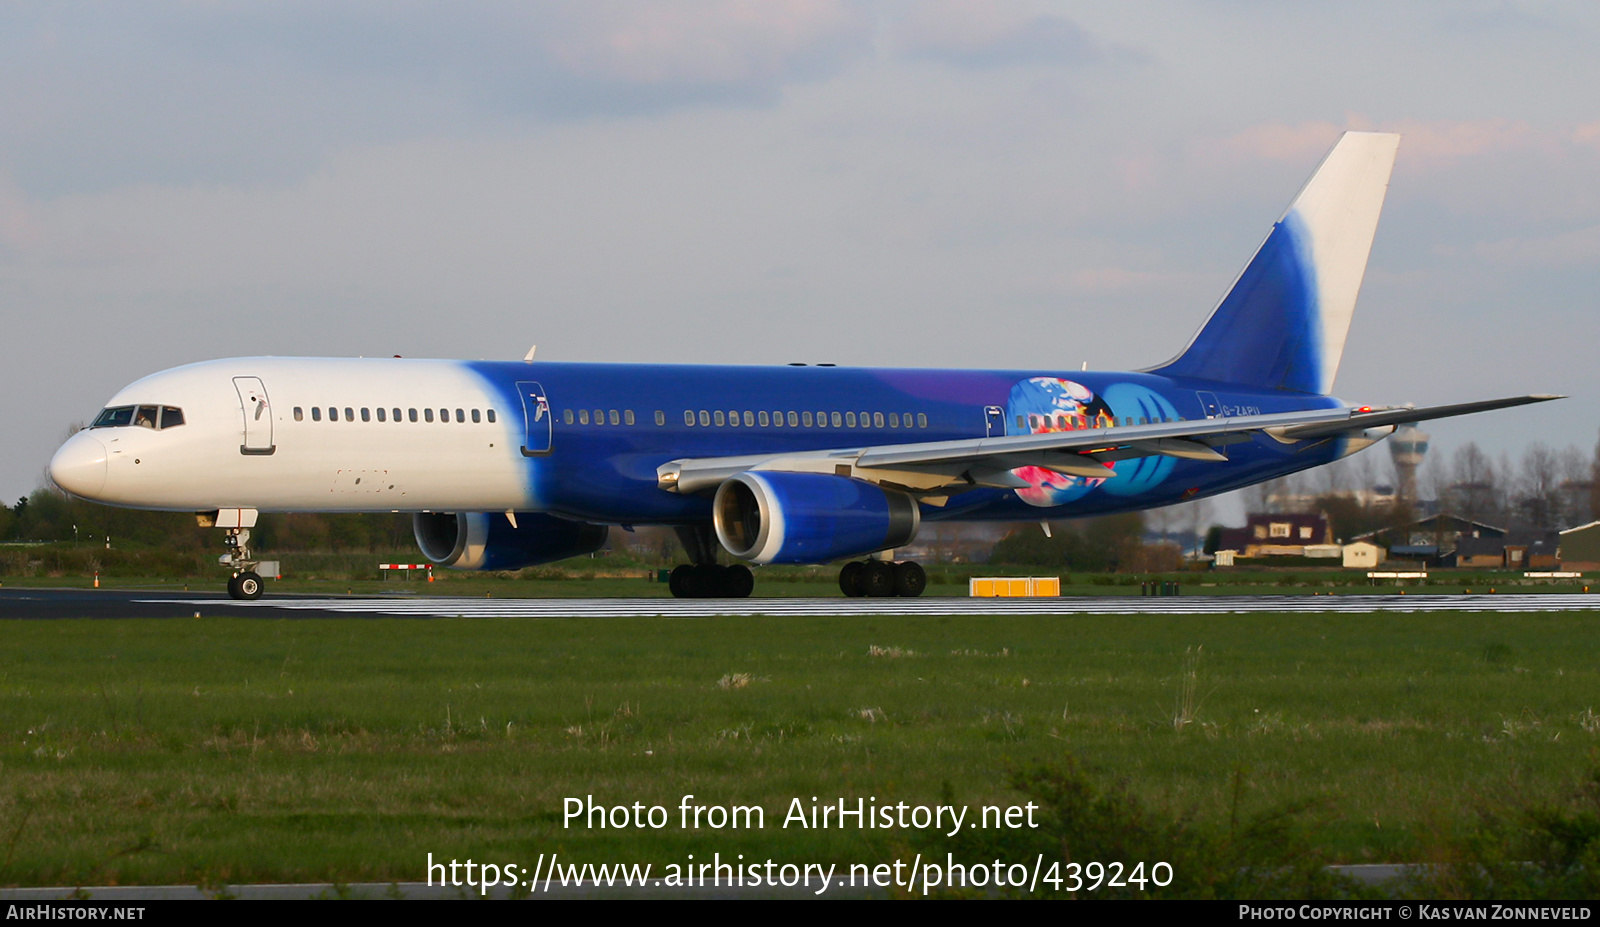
(943, 468)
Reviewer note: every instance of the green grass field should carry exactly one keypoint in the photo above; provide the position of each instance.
(218, 750)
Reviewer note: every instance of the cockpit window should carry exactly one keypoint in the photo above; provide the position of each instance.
(114, 417)
(152, 417)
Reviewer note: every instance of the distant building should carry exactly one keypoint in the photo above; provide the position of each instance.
(1480, 553)
(1519, 550)
(1380, 496)
(1362, 555)
(1270, 535)
(1435, 538)
(1533, 550)
(1580, 547)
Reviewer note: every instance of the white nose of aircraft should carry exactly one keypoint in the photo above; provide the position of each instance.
(79, 466)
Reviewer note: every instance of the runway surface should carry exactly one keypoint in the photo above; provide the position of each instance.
(110, 603)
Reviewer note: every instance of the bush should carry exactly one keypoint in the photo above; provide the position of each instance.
(1269, 854)
(1522, 853)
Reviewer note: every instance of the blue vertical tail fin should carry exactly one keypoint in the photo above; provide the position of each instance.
(1283, 323)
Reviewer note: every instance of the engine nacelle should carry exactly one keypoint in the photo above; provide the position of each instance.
(487, 541)
(773, 517)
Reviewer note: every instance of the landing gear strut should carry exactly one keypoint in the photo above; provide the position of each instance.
(705, 578)
(880, 578)
(245, 582)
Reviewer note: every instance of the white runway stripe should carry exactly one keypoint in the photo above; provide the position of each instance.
(445, 607)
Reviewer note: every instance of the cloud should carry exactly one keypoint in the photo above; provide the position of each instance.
(102, 96)
(990, 35)
(1575, 248)
(1432, 143)
(701, 42)
(18, 229)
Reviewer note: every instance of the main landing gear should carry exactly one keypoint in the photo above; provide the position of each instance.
(880, 578)
(705, 578)
(711, 581)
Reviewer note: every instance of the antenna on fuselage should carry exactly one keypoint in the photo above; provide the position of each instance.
(528, 357)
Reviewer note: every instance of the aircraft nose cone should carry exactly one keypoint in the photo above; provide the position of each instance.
(79, 466)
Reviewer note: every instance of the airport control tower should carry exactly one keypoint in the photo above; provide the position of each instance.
(1407, 446)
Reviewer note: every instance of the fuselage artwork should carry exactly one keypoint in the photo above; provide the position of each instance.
(509, 464)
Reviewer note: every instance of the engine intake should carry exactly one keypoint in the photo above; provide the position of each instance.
(487, 541)
(773, 517)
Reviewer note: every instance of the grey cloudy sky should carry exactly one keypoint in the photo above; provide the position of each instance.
(1004, 184)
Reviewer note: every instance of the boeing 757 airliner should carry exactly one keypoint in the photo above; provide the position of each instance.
(509, 464)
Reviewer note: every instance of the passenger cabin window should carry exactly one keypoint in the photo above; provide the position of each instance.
(627, 417)
(661, 417)
(316, 413)
(566, 417)
(794, 420)
(688, 417)
(427, 415)
(397, 415)
(805, 419)
(411, 414)
(475, 418)
(491, 416)
(583, 416)
(614, 418)
(705, 417)
(835, 419)
(349, 414)
(922, 420)
(383, 414)
(765, 419)
(461, 416)
(849, 419)
(299, 414)
(718, 418)
(444, 415)
(366, 414)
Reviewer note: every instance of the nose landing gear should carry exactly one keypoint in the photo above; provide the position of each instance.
(246, 585)
(245, 582)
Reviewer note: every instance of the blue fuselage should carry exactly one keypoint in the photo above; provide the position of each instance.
(610, 426)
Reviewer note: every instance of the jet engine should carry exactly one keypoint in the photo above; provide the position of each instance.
(775, 517)
(489, 541)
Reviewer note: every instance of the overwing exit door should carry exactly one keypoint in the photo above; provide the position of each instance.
(994, 421)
